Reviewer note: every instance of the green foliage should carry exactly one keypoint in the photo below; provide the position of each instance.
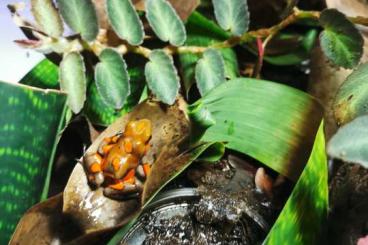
(341, 41)
(352, 97)
(162, 77)
(29, 129)
(47, 17)
(295, 57)
(112, 78)
(246, 118)
(165, 22)
(44, 75)
(303, 218)
(125, 21)
(189, 61)
(350, 143)
(98, 112)
(80, 16)
(232, 15)
(73, 80)
(210, 71)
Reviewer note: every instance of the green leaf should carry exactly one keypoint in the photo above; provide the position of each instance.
(232, 15)
(73, 80)
(341, 41)
(188, 61)
(350, 143)
(165, 22)
(112, 78)
(81, 16)
(197, 24)
(47, 17)
(352, 97)
(162, 77)
(125, 21)
(295, 57)
(210, 71)
(252, 119)
(29, 129)
(304, 216)
(101, 114)
(44, 75)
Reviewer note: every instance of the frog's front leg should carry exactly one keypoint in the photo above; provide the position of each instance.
(93, 164)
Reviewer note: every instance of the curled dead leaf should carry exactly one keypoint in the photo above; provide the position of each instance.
(89, 211)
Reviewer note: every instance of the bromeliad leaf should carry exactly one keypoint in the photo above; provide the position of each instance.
(112, 78)
(125, 21)
(47, 17)
(210, 71)
(73, 80)
(232, 15)
(165, 22)
(252, 119)
(352, 97)
(162, 76)
(81, 16)
(341, 41)
(350, 143)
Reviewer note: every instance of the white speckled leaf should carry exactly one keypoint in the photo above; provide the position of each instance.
(125, 21)
(162, 76)
(165, 22)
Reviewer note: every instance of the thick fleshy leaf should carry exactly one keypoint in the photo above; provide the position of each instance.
(232, 15)
(165, 22)
(251, 118)
(112, 78)
(341, 41)
(98, 112)
(162, 77)
(350, 143)
(47, 17)
(81, 16)
(73, 80)
(352, 97)
(304, 216)
(125, 21)
(210, 71)
(31, 119)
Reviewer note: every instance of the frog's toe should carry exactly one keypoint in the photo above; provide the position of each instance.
(129, 191)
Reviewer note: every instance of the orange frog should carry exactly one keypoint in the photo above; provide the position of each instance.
(118, 165)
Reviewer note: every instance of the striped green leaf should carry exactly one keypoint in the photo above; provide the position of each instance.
(125, 21)
(232, 15)
(44, 75)
(81, 16)
(29, 127)
(251, 118)
(303, 218)
(73, 80)
(47, 17)
(210, 71)
(112, 78)
(162, 77)
(165, 22)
